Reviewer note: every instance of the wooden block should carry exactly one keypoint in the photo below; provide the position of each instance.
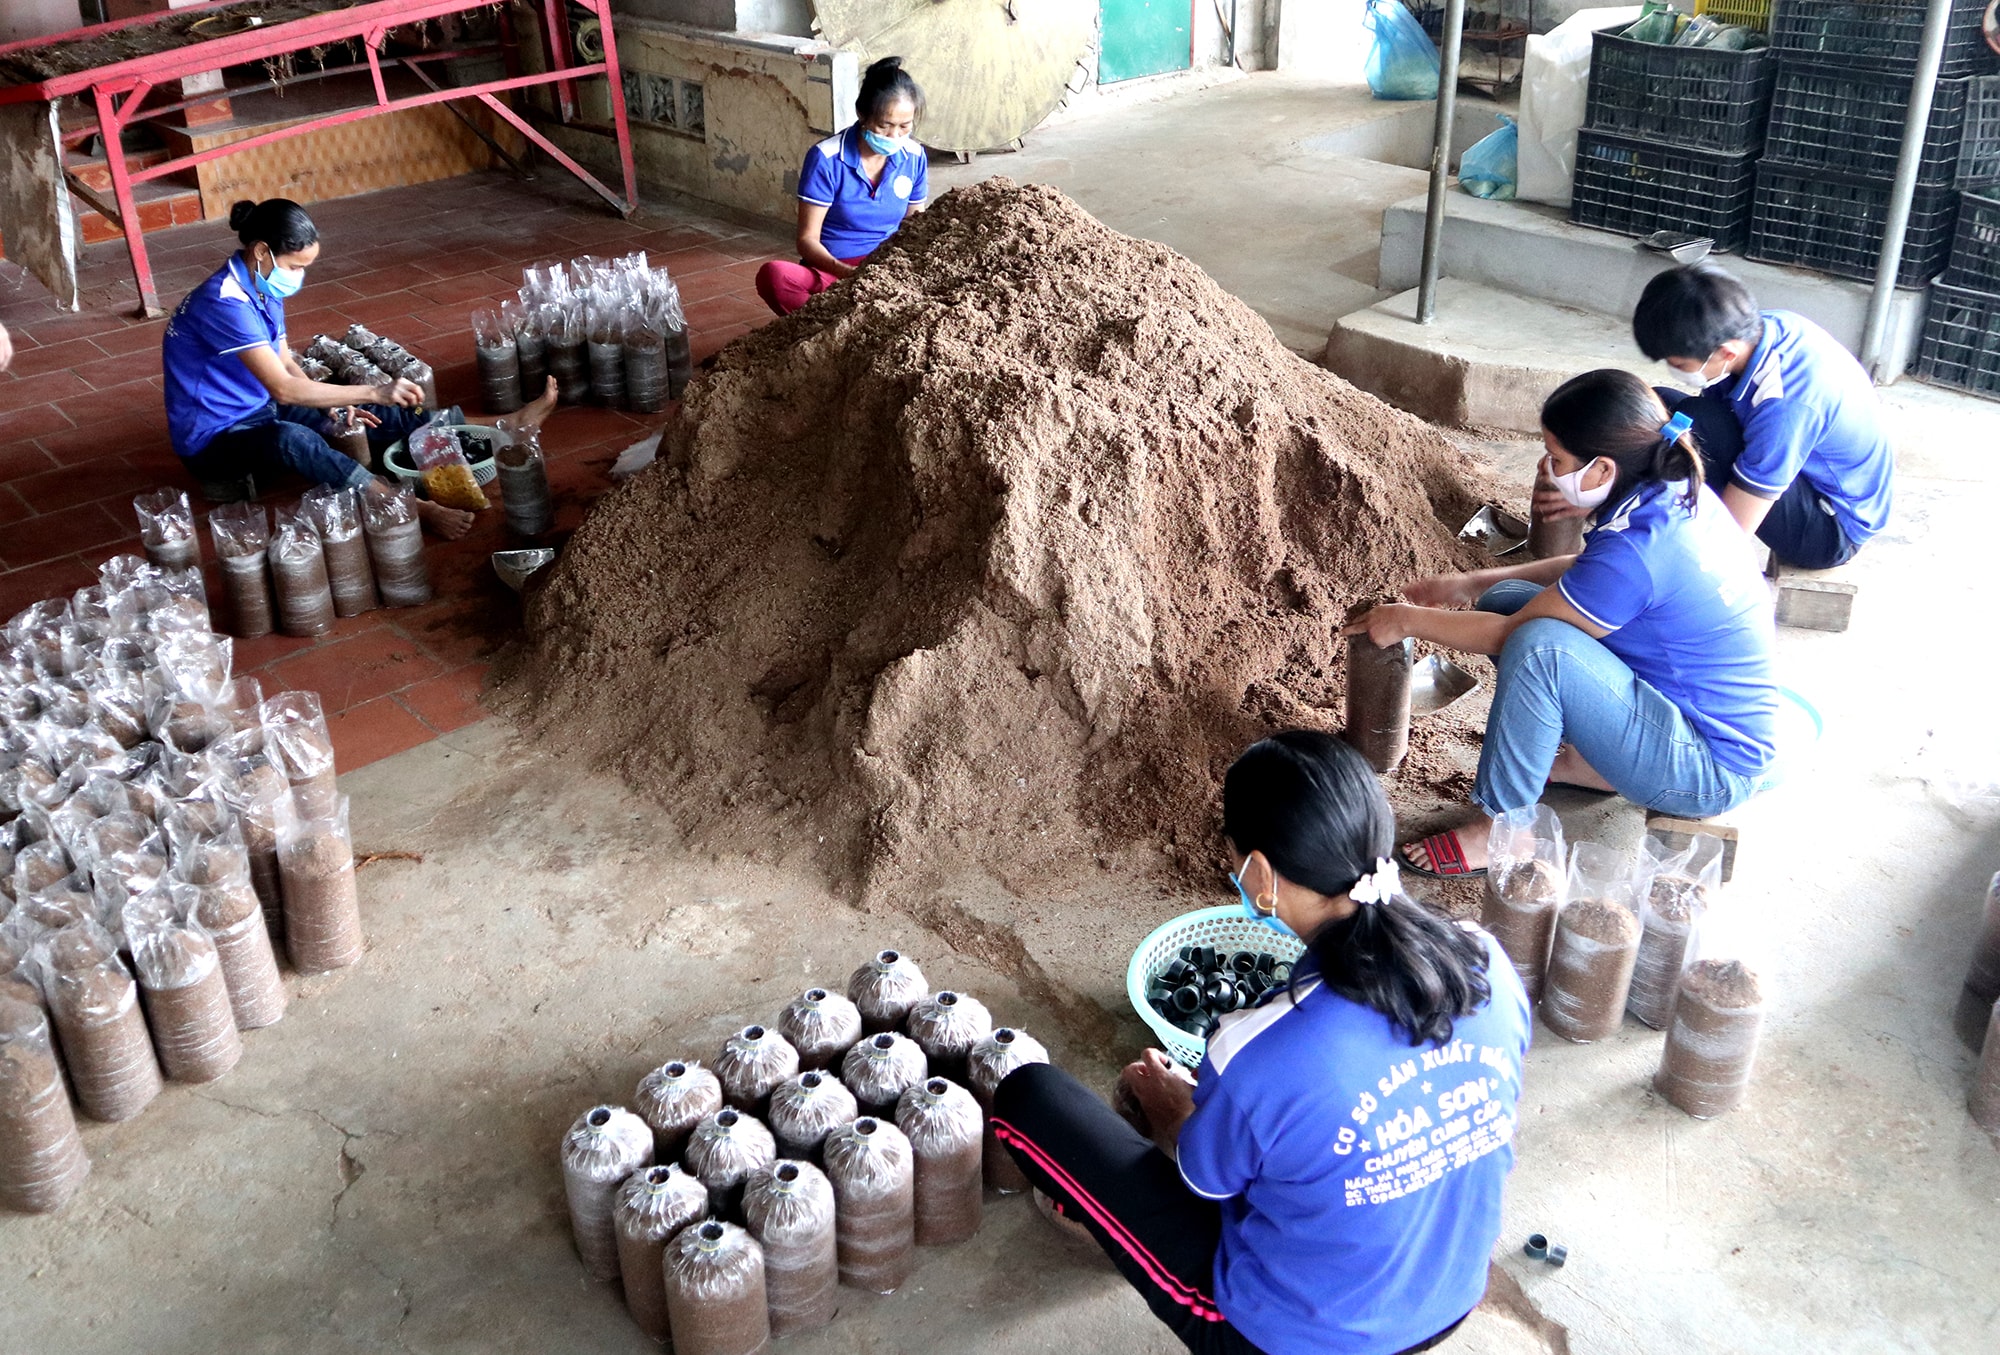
(1677, 834)
(1814, 604)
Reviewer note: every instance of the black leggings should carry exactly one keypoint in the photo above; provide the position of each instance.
(1100, 1171)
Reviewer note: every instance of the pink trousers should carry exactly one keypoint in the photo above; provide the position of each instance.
(786, 286)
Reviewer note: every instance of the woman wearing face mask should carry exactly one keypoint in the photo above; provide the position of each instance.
(1646, 669)
(239, 406)
(1330, 1180)
(854, 190)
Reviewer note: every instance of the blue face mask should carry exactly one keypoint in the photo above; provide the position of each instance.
(1250, 908)
(883, 145)
(282, 282)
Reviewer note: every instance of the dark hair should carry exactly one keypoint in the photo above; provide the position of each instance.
(1690, 311)
(1615, 414)
(883, 84)
(1311, 805)
(278, 223)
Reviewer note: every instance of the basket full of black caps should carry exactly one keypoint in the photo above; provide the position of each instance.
(1206, 983)
(733, 1199)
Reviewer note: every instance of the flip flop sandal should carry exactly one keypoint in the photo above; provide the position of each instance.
(1445, 853)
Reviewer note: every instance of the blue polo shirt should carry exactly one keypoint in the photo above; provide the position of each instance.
(1688, 610)
(1810, 412)
(1359, 1178)
(860, 215)
(208, 389)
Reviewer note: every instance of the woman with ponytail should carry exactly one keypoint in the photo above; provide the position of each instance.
(854, 189)
(1329, 1182)
(1646, 669)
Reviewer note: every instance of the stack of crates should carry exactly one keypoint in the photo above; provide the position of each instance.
(1961, 344)
(1671, 136)
(1838, 107)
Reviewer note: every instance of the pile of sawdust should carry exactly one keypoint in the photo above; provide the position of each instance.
(991, 558)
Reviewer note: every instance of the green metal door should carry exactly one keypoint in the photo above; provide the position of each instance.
(1144, 37)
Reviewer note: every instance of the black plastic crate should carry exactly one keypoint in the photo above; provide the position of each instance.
(1852, 121)
(1979, 143)
(1961, 344)
(1636, 187)
(1834, 222)
(1694, 97)
(1879, 35)
(1975, 249)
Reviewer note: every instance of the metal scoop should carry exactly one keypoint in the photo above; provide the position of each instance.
(1495, 529)
(1679, 245)
(1436, 683)
(516, 567)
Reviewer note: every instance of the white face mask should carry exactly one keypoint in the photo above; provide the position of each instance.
(1704, 380)
(1571, 487)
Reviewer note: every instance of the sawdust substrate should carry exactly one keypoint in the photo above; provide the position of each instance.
(996, 556)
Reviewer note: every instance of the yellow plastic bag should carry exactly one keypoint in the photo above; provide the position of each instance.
(447, 477)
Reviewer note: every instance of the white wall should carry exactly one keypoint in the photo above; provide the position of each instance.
(22, 19)
(793, 17)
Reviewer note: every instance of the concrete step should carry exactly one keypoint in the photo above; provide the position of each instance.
(1487, 360)
(1534, 251)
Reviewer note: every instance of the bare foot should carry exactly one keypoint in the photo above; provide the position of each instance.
(1471, 845)
(1571, 770)
(536, 414)
(449, 523)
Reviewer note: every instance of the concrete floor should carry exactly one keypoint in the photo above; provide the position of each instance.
(379, 1173)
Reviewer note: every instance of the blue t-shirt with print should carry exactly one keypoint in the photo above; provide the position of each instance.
(1688, 610)
(861, 215)
(1359, 1177)
(1809, 412)
(208, 389)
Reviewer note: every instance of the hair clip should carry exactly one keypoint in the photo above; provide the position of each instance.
(1378, 885)
(1674, 429)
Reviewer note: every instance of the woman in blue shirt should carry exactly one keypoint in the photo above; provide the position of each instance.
(1329, 1182)
(1647, 668)
(239, 406)
(855, 188)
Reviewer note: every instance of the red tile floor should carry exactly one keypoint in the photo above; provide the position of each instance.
(83, 430)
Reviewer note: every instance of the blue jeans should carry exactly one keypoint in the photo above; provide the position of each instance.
(288, 436)
(1558, 685)
(1800, 529)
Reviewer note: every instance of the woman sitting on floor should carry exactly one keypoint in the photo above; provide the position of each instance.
(854, 190)
(1646, 669)
(240, 407)
(1342, 1149)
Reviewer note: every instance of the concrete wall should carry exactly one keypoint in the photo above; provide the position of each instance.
(765, 99)
(793, 17)
(23, 19)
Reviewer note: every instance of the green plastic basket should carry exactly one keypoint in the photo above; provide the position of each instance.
(1226, 929)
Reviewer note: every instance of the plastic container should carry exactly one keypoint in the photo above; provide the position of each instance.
(1226, 929)
(822, 1025)
(652, 1205)
(991, 1060)
(336, 515)
(1979, 142)
(1851, 121)
(396, 548)
(322, 910)
(716, 1299)
(187, 998)
(297, 743)
(805, 1109)
(789, 1208)
(524, 485)
(1753, 14)
(881, 1068)
(946, 1025)
(723, 1149)
(1961, 345)
(298, 576)
(946, 1130)
(242, 536)
(1634, 187)
(873, 1174)
(604, 1146)
(1712, 1043)
(1378, 700)
(1595, 948)
(94, 1003)
(166, 527)
(672, 1100)
(885, 989)
(1695, 98)
(1834, 222)
(752, 1062)
(1975, 247)
(42, 1162)
(1878, 35)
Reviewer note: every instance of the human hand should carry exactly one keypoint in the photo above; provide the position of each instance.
(408, 394)
(1385, 625)
(1550, 504)
(1162, 1094)
(1443, 590)
(367, 417)
(6, 350)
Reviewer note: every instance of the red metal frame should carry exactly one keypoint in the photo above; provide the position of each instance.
(118, 92)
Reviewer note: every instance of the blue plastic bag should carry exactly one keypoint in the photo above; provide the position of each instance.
(1487, 169)
(1402, 60)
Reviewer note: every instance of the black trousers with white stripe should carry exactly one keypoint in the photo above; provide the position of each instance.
(1103, 1173)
